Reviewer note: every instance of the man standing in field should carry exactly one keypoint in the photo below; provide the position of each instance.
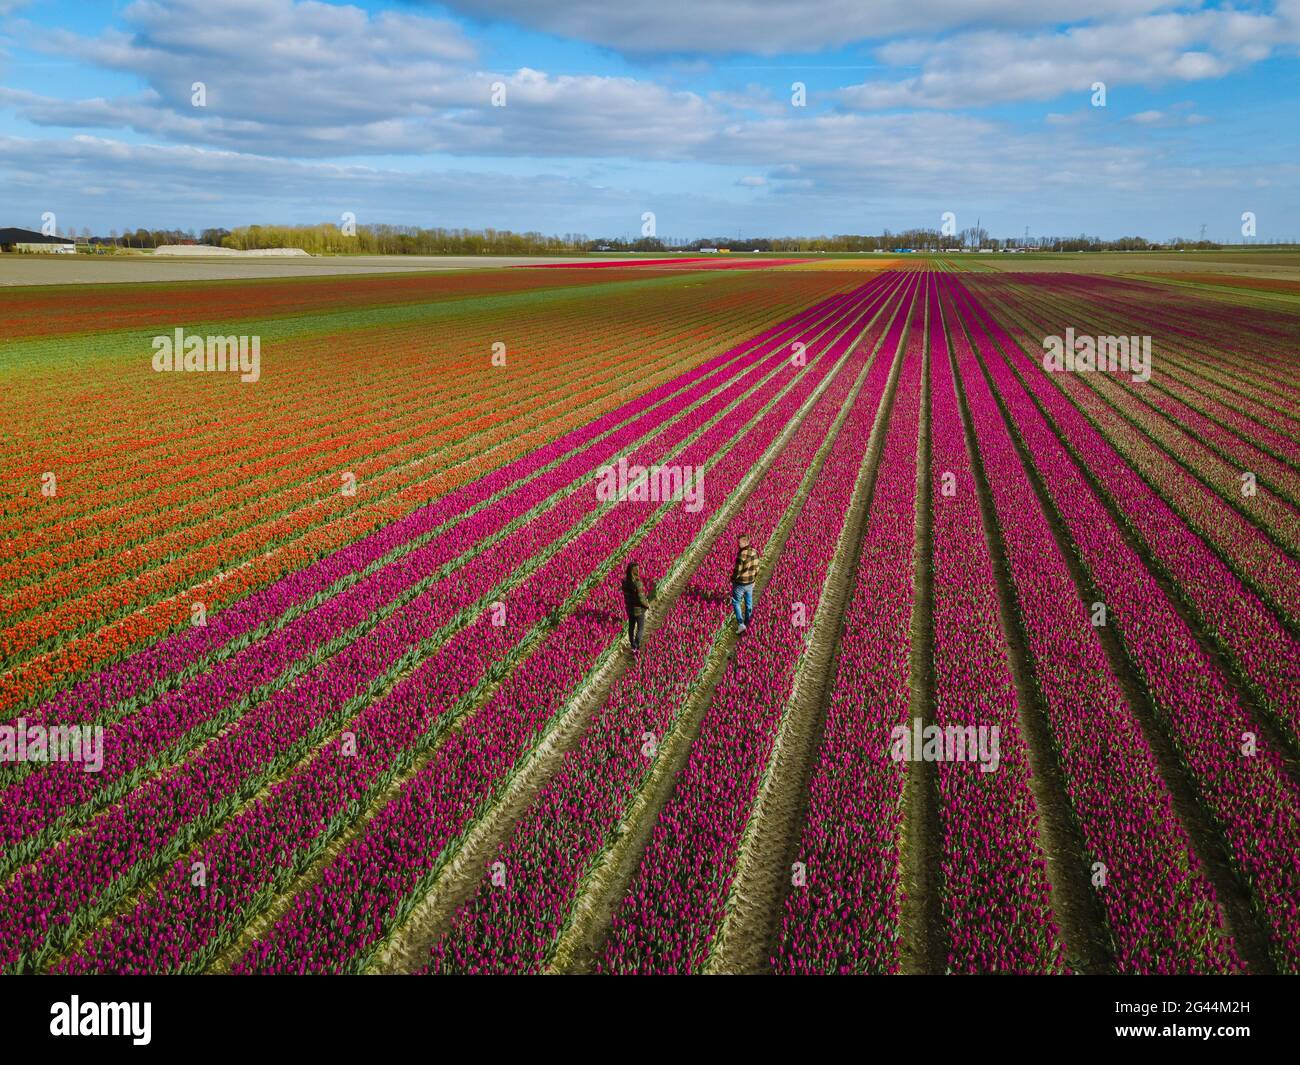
(634, 599)
(742, 582)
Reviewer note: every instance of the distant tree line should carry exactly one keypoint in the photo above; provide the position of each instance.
(974, 237)
(331, 239)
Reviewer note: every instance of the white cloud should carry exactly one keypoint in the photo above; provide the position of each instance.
(310, 79)
(292, 83)
(160, 185)
(1181, 114)
(770, 27)
(991, 67)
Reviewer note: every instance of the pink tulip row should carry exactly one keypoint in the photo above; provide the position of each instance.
(1251, 343)
(994, 889)
(1159, 907)
(339, 922)
(1264, 652)
(170, 811)
(1219, 518)
(1209, 450)
(845, 916)
(259, 852)
(1241, 781)
(259, 673)
(571, 824)
(1176, 366)
(176, 654)
(1223, 359)
(674, 907)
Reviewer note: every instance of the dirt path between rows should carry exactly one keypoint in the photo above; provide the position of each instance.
(409, 947)
(749, 932)
(1074, 903)
(923, 946)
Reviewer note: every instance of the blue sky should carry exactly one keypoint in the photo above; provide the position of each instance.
(912, 108)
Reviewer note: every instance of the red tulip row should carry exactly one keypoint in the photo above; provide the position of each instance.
(308, 809)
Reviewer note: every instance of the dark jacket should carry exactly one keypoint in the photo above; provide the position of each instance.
(746, 568)
(634, 596)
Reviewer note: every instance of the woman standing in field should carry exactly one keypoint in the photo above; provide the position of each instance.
(634, 599)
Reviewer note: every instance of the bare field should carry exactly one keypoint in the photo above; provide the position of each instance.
(91, 270)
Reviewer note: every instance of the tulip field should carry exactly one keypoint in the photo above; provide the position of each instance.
(343, 650)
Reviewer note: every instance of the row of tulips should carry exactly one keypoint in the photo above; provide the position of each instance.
(359, 620)
(994, 889)
(1159, 907)
(1263, 651)
(195, 646)
(1180, 366)
(677, 900)
(1204, 449)
(1245, 347)
(565, 326)
(845, 916)
(571, 827)
(383, 455)
(342, 920)
(76, 657)
(271, 841)
(173, 511)
(1240, 780)
(71, 604)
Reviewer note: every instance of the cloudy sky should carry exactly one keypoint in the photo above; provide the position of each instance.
(745, 117)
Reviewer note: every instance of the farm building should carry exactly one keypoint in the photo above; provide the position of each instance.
(27, 240)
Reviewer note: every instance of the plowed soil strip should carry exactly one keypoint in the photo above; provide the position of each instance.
(748, 935)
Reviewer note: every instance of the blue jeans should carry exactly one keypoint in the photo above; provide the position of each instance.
(742, 593)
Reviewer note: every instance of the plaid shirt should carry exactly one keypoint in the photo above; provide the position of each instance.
(746, 569)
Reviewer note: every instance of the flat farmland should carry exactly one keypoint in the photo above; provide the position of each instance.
(313, 652)
(123, 269)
